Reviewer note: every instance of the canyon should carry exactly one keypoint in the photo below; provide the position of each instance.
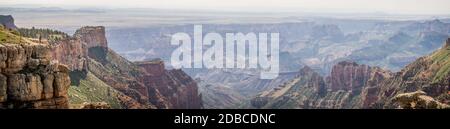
(425, 83)
(343, 67)
(84, 70)
(319, 43)
(147, 84)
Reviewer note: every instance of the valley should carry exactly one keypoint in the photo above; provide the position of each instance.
(325, 62)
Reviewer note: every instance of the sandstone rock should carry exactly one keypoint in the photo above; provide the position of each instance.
(29, 80)
(155, 68)
(70, 52)
(349, 76)
(23, 87)
(92, 35)
(33, 63)
(417, 100)
(62, 69)
(3, 57)
(96, 105)
(48, 80)
(53, 103)
(16, 59)
(61, 85)
(3, 88)
(169, 88)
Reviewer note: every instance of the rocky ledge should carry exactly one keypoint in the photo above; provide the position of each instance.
(28, 79)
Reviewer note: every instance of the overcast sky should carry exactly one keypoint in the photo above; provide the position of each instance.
(365, 6)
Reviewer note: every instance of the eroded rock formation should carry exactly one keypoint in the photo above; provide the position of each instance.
(344, 88)
(169, 88)
(418, 100)
(94, 36)
(29, 80)
(425, 83)
(145, 84)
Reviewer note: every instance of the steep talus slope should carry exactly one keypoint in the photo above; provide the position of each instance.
(117, 73)
(91, 90)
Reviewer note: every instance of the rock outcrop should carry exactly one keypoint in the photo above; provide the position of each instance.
(29, 80)
(7, 21)
(349, 76)
(169, 88)
(94, 36)
(71, 52)
(97, 105)
(344, 88)
(418, 100)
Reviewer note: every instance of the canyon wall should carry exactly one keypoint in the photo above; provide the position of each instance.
(29, 80)
(93, 36)
(71, 52)
(172, 87)
(149, 84)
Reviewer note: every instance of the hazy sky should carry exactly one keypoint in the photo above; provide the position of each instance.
(386, 6)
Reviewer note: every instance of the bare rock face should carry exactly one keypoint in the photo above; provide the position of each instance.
(29, 80)
(94, 36)
(74, 51)
(71, 52)
(97, 105)
(349, 76)
(169, 88)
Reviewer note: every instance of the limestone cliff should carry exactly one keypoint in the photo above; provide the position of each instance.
(71, 52)
(93, 36)
(28, 79)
